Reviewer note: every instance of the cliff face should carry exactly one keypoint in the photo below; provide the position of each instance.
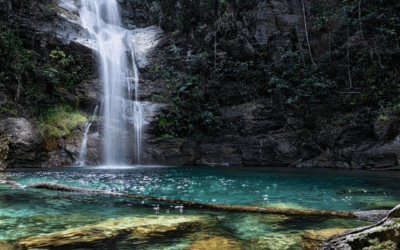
(254, 132)
(250, 130)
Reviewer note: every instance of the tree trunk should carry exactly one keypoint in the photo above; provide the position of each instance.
(266, 210)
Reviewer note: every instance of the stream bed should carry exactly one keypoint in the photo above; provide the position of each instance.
(31, 218)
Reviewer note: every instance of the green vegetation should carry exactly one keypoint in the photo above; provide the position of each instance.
(8, 109)
(360, 66)
(193, 113)
(5, 140)
(165, 136)
(60, 120)
(37, 82)
(377, 245)
(184, 14)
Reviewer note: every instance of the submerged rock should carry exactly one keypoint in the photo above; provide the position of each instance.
(383, 235)
(314, 238)
(215, 242)
(111, 229)
(4, 245)
(278, 241)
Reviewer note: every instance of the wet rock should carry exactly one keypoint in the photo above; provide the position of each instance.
(379, 156)
(385, 129)
(371, 215)
(49, 143)
(73, 145)
(94, 154)
(145, 42)
(111, 229)
(148, 88)
(381, 235)
(56, 159)
(215, 242)
(26, 142)
(277, 241)
(136, 13)
(312, 239)
(4, 245)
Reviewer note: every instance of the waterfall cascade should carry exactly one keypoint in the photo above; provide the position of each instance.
(119, 75)
(82, 153)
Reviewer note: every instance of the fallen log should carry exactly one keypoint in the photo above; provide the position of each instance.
(374, 215)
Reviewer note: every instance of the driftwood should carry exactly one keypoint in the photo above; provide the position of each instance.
(363, 215)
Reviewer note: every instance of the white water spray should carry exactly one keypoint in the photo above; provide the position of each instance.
(82, 152)
(94, 116)
(117, 70)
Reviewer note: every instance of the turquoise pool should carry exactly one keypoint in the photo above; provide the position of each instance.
(34, 212)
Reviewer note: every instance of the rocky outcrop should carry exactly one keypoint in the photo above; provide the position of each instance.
(312, 239)
(324, 137)
(26, 145)
(32, 148)
(110, 231)
(382, 235)
(253, 134)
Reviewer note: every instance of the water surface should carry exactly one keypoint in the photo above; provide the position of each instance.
(30, 212)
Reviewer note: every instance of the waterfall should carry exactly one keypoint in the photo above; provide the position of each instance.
(82, 152)
(95, 112)
(117, 72)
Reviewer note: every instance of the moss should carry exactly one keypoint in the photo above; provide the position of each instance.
(384, 245)
(61, 122)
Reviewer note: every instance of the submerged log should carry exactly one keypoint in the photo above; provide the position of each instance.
(362, 215)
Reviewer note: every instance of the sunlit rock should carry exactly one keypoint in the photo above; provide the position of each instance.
(287, 205)
(382, 235)
(215, 242)
(276, 241)
(312, 239)
(110, 229)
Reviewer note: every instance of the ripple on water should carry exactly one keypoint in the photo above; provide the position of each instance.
(35, 212)
(313, 190)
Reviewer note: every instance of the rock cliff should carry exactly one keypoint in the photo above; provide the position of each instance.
(254, 132)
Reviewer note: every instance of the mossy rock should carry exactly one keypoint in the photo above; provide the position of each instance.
(384, 234)
(61, 122)
(312, 239)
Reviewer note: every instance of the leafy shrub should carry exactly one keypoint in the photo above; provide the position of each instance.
(193, 113)
(35, 81)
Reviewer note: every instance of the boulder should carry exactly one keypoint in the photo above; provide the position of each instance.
(101, 234)
(384, 234)
(215, 242)
(385, 129)
(312, 239)
(26, 144)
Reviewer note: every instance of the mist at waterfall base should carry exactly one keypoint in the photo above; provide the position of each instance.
(120, 111)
